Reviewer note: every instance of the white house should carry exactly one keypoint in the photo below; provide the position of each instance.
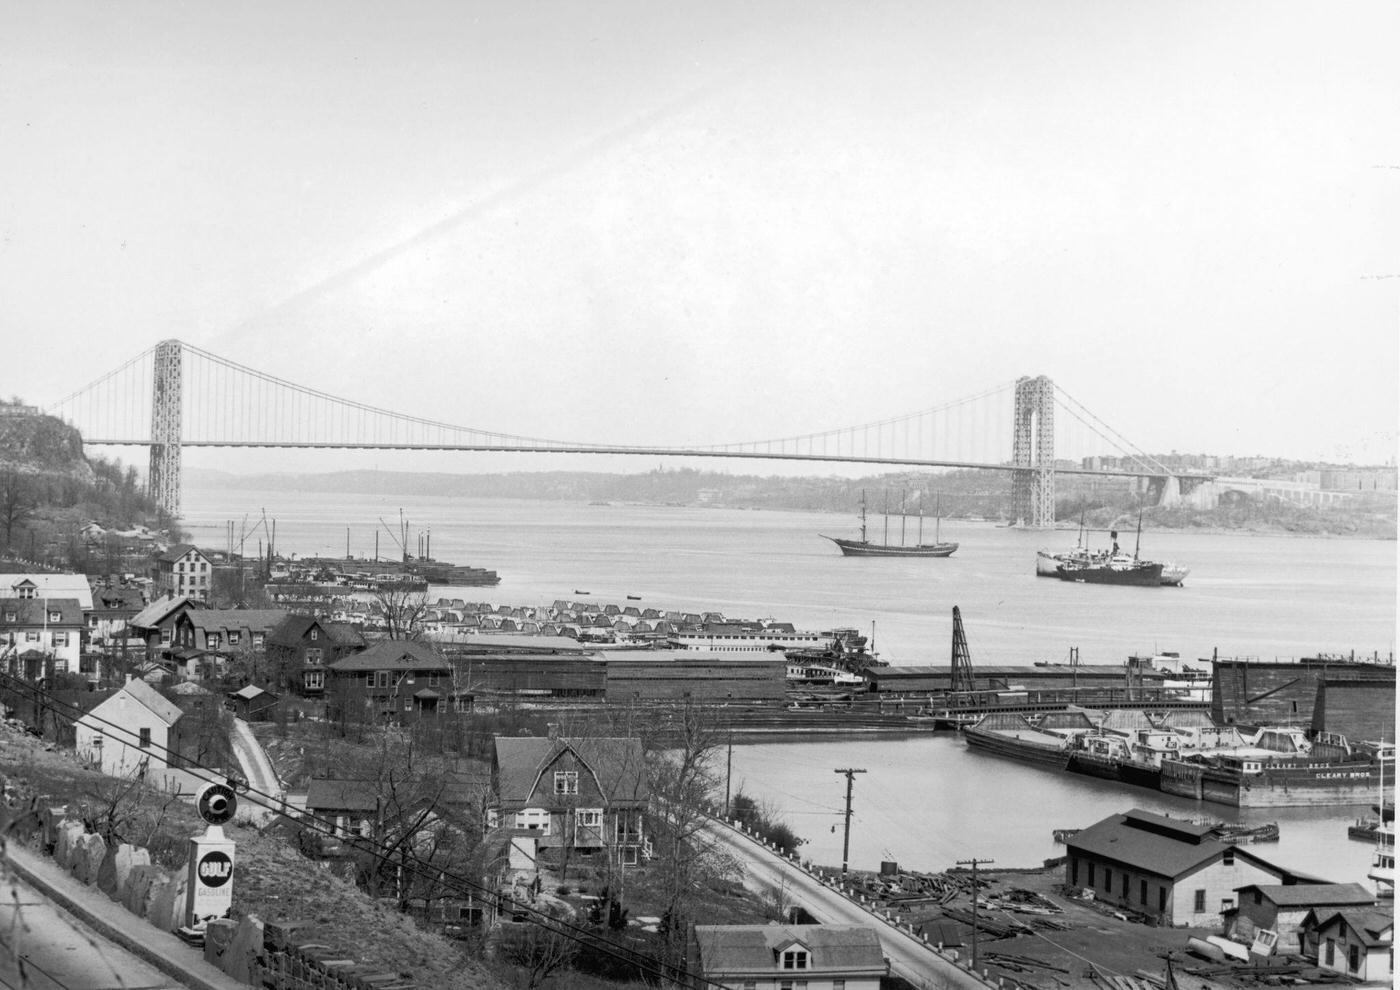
(1355, 942)
(181, 571)
(40, 636)
(74, 586)
(132, 732)
(785, 957)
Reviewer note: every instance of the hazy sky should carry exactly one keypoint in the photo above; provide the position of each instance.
(698, 222)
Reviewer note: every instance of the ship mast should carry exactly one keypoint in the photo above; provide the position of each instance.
(862, 516)
(903, 517)
(887, 517)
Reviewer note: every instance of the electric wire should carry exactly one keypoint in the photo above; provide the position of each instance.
(418, 868)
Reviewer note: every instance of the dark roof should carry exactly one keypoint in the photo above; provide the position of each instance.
(1299, 895)
(1156, 844)
(393, 654)
(173, 554)
(35, 611)
(742, 949)
(616, 763)
(252, 619)
(325, 794)
(1371, 925)
(158, 611)
(293, 629)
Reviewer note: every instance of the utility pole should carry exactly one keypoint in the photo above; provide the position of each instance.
(728, 771)
(846, 842)
(974, 862)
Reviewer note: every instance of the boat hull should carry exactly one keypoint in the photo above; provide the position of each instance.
(1025, 750)
(1142, 575)
(1307, 784)
(857, 548)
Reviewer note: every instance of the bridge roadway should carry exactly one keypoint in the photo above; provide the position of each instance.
(768, 873)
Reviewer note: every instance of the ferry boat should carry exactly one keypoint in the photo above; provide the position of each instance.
(823, 674)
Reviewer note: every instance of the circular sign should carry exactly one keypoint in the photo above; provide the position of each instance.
(216, 804)
(215, 869)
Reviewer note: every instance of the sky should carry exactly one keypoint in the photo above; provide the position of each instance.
(702, 222)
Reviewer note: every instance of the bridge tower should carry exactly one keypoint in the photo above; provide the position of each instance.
(164, 478)
(1033, 453)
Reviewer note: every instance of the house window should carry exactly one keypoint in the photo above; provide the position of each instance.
(1125, 885)
(1353, 958)
(566, 782)
(1226, 903)
(1142, 891)
(257, 639)
(432, 679)
(1162, 899)
(233, 637)
(533, 819)
(145, 739)
(11, 616)
(55, 616)
(369, 679)
(795, 959)
(315, 680)
(27, 592)
(1331, 952)
(1074, 872)
(313, 657)
(313, 634)
(1230, 856)
(213, 640)
(1091, 875)
(589, 817)
(1200, 901)
(1107, 880)
(165, 636)
(31, 636)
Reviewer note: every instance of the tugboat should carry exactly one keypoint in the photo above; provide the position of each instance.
(864, 548)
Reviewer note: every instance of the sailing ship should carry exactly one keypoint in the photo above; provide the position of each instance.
(864, 548)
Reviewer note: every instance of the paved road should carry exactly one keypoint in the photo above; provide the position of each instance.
(769, 874)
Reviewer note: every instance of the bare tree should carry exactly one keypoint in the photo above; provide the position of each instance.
(18, 502)
(405, 609)
(538, 948)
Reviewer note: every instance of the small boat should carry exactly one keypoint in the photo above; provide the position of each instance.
(577, 592)
(634, 598)
(864, 548)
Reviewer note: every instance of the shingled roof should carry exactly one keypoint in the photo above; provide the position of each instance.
(617, 764)
(749, 948)
(1318, 895)
(1156, 845)
(393, 654)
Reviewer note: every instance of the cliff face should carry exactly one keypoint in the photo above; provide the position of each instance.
(31, 443)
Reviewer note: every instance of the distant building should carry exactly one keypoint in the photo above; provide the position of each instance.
(783, 957)
(182, 570)
(391, 679)
(1282, 908)
(1172, 870)
(301, 648)
(1355, 942)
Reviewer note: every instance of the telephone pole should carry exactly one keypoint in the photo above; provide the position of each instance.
(973, 863)
(846, 842)
(728, 772)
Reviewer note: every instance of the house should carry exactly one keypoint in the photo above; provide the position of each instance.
(133, 732)
(154, 625)
(1168, 869)
(1355, 942)
(580, 795)
(182, 570)
(784, 957)
(252, 704)
(40, 637)
(387, 680)
(1282, 908)
(301, 647)
(349, 805)
(228, 631)
(114, 606)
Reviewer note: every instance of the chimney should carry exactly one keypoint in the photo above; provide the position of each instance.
(554, 730)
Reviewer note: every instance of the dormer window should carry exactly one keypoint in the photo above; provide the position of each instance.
(795, 958)
(566, 782)
(313, 632)
(55, 616)
(27, 591)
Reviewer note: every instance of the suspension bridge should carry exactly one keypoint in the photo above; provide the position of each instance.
(175, 396)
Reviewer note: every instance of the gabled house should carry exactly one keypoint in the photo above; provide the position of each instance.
(182, 570)
(74, 586)
(252, 704)
(40, 637)
(155, 624)
(1169, 869)
(390, 679)
(301, 648)
(1355, 942)
(348, 805)
(1282, 908)
(134, 731)
(578, 795)
(784, 957)
(114, 606)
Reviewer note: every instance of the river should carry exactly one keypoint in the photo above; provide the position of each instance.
(925, 802)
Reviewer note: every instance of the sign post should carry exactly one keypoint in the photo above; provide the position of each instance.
(209, 883)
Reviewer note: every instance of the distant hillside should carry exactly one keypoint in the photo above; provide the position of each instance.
(34, 444)
(1104, 503)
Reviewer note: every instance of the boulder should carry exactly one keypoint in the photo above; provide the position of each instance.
(218, 934)
(159, 898)
(244, 950)
(136, 894)
(51, 816)
(167, 911)
(69, 832)
(120, 861)
(88, 857)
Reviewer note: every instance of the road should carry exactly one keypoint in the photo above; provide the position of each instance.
(257, 769)
(768, 874)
